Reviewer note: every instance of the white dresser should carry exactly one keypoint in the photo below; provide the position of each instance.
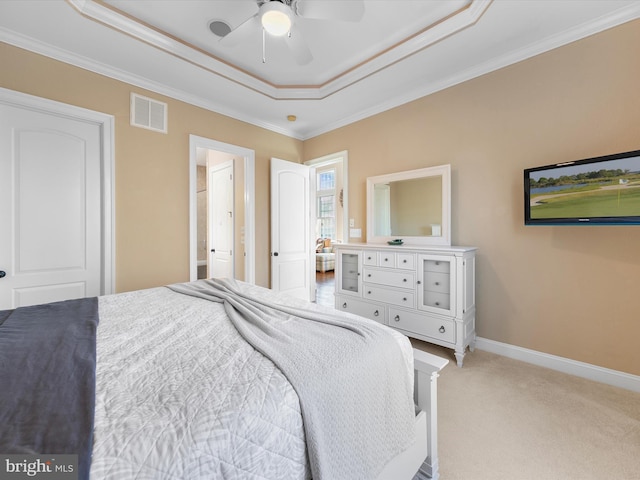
(424, 292)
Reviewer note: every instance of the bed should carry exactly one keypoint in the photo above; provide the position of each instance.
(186, 387)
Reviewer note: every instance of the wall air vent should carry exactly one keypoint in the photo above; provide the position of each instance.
(148, 113)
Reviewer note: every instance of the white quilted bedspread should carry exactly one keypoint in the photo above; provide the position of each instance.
(180, 395)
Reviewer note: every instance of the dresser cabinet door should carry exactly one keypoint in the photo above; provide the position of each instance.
(348, 268)
(436, 284)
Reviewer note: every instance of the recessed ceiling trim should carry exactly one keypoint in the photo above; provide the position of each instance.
(109, 16)
(463, 18)
(115, 19)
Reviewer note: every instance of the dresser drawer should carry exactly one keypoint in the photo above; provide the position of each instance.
(442, 329)
(441, 266)
(390, 278)
(406, 261)
(437, 300)
(387, 259)
(370, 258)
(437, 282)
(395, 297)
(369, 310)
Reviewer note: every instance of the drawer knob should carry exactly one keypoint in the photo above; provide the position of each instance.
(404, 299)
(344, 305)
(368, 258)
(369, 292)
(376, 313)
(368, 275)
(397, 318)
(437, 304)
(437, 283)
(441, 329)
(386, 259)
(404, 280)
(404, 261)
(437, 263)
(419, 282)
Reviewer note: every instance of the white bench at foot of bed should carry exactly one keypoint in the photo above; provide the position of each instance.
(421, 459)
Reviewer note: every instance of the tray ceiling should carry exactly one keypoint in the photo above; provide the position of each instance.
(398, 51)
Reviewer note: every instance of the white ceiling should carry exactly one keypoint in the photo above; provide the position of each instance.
(399, 51)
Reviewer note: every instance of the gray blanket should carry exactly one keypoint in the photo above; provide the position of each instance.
(47, 379)
(355, 395)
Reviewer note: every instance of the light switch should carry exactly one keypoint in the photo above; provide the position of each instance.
(352, 222)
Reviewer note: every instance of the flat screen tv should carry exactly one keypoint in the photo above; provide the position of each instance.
(594, 191)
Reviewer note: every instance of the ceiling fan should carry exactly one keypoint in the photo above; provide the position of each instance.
(278, 18)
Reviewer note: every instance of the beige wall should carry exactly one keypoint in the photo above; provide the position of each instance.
(568, 291)
(152, 169)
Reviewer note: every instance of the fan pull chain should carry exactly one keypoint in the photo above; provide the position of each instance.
(264, 54)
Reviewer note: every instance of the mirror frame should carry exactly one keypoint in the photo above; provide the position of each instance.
(443, 171)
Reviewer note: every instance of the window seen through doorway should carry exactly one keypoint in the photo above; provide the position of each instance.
(326, 204)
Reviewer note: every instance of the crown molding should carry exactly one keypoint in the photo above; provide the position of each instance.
(27, 43)
(605, 22)
(619, 17)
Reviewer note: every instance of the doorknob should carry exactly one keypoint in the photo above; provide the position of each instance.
(3, 273)
(213, 250)
(275, 254)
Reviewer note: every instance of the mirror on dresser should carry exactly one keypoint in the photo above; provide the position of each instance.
(414, 206)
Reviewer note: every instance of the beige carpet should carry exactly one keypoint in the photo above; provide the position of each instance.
(504, 419)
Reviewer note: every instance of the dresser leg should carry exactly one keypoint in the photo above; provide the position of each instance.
(459, 357)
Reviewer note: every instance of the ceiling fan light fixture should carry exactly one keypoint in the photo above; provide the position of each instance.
(276, 18)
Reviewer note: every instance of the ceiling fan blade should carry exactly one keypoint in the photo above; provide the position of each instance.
(346, 10)
(242, 31)
(298, 46)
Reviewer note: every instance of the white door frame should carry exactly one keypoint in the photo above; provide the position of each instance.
(106, 124)
(327, 160)
(196, 142)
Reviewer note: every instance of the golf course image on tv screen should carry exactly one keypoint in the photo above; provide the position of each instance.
(598, 190)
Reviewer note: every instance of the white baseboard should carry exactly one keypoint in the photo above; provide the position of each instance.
(561, 364)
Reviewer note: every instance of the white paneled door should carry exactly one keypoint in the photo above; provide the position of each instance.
(221, 215)
(292, 219)
(50, 207)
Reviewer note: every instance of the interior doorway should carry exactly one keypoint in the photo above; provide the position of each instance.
(205, 154)
(332, 219)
